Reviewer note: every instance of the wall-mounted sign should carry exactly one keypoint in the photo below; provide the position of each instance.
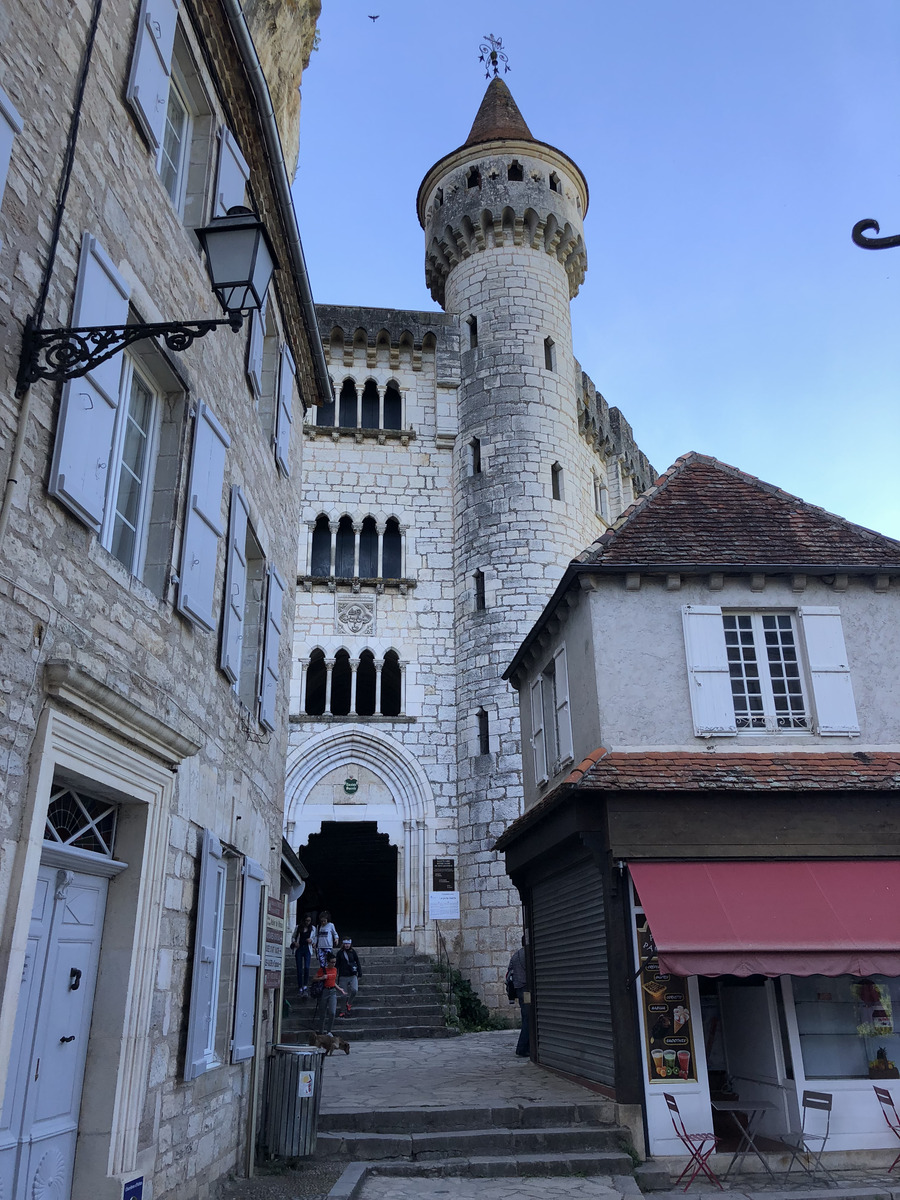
(443, 906)
(443, 875)
(351, 786)
(667, 1014)
(133, 1189)
(273, 952)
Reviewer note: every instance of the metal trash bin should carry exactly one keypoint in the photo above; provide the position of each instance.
(293, 1092)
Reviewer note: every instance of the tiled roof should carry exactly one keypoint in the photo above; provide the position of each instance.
(699, 771)
(498, 117)
(702, 511)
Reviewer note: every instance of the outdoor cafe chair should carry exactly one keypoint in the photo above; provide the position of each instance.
(811, 1142)
(886, 1100)
(696, 1146)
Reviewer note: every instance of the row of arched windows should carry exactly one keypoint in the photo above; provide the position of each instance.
(356, 550)
(365, 686)
(377, 408)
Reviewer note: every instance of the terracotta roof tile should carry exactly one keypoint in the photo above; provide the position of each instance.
(702, 511)
(498, 117)
(699, 771)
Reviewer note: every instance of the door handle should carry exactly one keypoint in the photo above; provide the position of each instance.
(74, 979)
(70, 1038)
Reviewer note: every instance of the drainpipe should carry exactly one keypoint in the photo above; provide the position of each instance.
(275, 155)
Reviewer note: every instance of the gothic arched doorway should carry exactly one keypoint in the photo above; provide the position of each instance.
(354, 869)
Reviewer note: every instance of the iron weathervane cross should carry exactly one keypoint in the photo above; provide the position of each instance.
(492, 55)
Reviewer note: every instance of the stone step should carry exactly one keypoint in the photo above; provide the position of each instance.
(465, 1143)
(507, 1116)
(522, 1165)
(375, 1033)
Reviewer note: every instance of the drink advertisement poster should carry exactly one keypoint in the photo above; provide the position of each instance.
(667, 1015)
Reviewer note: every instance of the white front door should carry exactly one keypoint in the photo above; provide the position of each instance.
(39, 1124)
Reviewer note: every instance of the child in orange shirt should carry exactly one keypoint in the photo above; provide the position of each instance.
(326, 1005)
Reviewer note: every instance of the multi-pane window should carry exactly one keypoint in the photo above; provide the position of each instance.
(352, 550)
(131, 479)
(765, 671)
(551, 721)
(365, 687)
(173, 155)
(377, 407)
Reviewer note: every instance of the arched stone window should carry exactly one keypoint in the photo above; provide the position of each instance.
(320, 560)
(473, 179)
(366, 681)
(370, 405)
(555, 185)
(316, 676)
(345, 549)
(347, 406)
(341, 679)
(392, 551)
(514, 172)
(391, 686)
(368, 549)
(393, 408)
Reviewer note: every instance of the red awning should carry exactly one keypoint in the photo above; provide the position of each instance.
(773, 918)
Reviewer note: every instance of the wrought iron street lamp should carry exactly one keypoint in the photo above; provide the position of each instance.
(240, 261)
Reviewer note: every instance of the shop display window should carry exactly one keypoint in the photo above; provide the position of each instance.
(847, 1026)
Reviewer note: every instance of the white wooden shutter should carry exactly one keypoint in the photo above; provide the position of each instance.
(151, 63)
(268, 684)
(255, 348)
(709, 680)
(537, 730)
(243, 1043)
(235, 587)
(829, 671)
(87, 415)
(563, 713)
(10, 124)
(201, 1036)
(285, 418)
(232, 174)
(203, 522)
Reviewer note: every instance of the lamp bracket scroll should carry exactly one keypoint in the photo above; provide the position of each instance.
(866, 243)
(60, 354)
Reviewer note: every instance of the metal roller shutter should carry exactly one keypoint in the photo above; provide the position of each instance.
(571, 981)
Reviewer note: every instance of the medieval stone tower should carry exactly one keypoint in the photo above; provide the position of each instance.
(465, 461)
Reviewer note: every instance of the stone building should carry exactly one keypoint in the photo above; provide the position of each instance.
(147, 534)
(465, 460)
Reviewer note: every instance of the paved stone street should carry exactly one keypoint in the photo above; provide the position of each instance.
(488, 1189)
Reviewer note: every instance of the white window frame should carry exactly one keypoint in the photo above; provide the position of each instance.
(178, 89)
(130, 372)
(769, 720)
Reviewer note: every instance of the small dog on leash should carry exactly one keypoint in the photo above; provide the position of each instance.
(329, 1042)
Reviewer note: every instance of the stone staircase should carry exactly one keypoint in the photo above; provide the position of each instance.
(399, 997)
(510, 1140)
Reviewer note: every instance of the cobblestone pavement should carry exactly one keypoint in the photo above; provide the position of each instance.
(474, 1069)
(385, 1188)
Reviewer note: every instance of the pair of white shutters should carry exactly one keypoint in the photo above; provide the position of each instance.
(284, 417)
(234, 613)
(710, 680)
(558, 684)
(206, 973)
(148, 94)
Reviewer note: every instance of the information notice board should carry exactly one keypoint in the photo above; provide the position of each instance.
(667, 1015)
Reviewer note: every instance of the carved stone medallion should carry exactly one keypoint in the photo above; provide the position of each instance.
(355, 615)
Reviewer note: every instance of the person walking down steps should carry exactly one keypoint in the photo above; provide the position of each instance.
(349, 970)
(326, 1004)
(326, 936)
(302, 941)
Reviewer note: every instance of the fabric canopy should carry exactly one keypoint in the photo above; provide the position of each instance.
(773, 918)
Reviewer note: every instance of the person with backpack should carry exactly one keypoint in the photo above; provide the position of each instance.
(326, 936)
(517, 983)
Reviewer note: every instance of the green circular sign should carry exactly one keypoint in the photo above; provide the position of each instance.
(351, 786)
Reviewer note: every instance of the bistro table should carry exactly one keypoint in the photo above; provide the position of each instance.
(753, 1110)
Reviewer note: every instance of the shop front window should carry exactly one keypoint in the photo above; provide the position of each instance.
(848, 1026)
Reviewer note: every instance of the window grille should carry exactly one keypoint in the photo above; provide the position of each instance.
(764, 669)
(80, 821)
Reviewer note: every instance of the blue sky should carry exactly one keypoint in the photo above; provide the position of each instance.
(729, 148)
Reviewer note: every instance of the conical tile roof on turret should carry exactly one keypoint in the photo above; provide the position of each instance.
(498, 118)
(702, 512)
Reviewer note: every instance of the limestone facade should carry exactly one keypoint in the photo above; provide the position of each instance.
(117, 695)
(505, 463)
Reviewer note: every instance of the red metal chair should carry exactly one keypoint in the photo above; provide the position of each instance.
(696, 1146)
(886, 1100)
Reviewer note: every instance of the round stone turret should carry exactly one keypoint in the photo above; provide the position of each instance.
(502, 188)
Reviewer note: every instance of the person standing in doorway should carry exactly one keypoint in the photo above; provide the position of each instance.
(349, 970)
(326, 937)
(326, 1005)
(518, 968)
(302, 941)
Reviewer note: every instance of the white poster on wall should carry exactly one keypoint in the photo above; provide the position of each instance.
(443, 906)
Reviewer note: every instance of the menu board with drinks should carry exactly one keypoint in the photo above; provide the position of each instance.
(667, 1015)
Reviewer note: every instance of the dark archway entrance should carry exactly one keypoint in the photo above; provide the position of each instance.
(354, 869)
